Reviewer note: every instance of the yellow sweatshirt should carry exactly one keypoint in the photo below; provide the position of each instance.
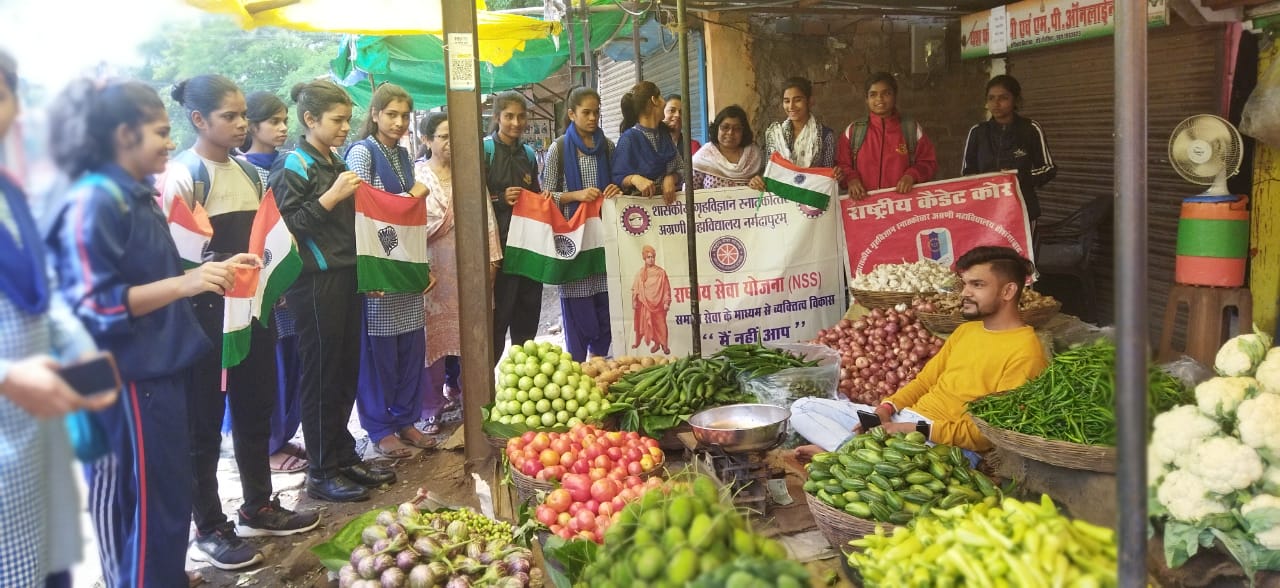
(973, 363)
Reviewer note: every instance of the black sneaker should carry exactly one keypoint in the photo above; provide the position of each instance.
(224, 549)
(275, 520)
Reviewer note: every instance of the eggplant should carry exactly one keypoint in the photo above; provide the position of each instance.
(523, 577)
(382, 562)
(421, 576)
(381, 545)
(366, 568)
(427, 547)
(407, 509)
(405, 560)
(457, 531)
(475, 549)
(347, 576)
(393, 578)
(395, 530)
(468, 566)
(458, 582)
(360, 553)
(385, 518)
(372, 534)
(518, 563)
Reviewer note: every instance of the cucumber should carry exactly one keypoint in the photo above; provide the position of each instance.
(847, 460)
(811, 486)
(957, 458)
(838, 473)
(921, 489)
(939, 470)
(880, 512)
(870, 497)
(915, 497)
(833, 488)
(919, 477)
(984, 485)
(880, 481)
(916, 437)
(824, 458)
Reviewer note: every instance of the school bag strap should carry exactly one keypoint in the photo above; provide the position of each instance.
(909, 132)
(200, 175)
(489, 148)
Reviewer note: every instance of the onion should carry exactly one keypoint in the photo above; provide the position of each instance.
(890, 327)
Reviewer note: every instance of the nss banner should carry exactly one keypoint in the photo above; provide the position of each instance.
(768, 271)
(938, 221)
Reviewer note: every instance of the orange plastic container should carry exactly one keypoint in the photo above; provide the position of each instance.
(1213, 241)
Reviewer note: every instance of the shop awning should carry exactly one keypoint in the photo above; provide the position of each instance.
(500, 35)
(416, 62)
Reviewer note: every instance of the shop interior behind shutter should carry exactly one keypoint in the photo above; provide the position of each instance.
(1069, 90)
(661, 68)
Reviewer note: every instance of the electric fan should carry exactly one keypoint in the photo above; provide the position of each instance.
(1206, 150)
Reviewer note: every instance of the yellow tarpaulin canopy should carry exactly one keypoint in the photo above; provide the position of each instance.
(500, 35)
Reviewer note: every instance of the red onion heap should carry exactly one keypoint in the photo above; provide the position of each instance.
(880, 352)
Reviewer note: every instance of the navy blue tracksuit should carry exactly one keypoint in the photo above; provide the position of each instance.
(108, 236)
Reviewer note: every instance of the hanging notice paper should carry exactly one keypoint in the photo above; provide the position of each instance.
(462, 62)
(999, 31)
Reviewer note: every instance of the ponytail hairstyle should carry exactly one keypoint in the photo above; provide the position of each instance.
(383, 96)
(576, 96)
(316, 98)
(85, 115)
(636, 101)
(500, 103)
(203, 94)
(427, 128)
(261, 107)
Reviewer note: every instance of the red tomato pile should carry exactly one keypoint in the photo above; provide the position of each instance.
(585, 449)
(584, 508)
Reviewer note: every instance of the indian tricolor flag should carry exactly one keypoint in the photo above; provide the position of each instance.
(811, 186)
(270, 239)
(544, 247)
(237, 316)
(391, 242)
(191, 232)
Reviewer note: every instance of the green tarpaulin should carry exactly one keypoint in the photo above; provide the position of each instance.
(416, 62)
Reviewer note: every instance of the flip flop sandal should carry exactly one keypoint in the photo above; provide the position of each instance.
(422, 442)
(401, 452)
(431, 429)
(288, 464)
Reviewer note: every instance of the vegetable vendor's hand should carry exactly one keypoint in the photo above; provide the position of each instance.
(892, 428)
(856, 189)
(905, 184)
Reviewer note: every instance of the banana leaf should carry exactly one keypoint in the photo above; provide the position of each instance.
(336, 552)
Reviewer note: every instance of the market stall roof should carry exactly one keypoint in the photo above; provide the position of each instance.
(816, 7)
(500, 35)
(416, 62)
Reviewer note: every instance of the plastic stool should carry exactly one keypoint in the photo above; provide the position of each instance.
(1208, 320)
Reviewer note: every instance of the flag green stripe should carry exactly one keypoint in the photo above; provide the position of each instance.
(551, 270)
(282, 275)
(797, 194)
(379, 274)
(235, 347)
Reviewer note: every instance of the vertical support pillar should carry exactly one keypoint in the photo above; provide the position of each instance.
(472, 223)
(1131, 288)
(686, 121)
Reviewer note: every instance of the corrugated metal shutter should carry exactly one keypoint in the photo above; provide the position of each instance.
(616, 79)
(663, 69)
(1069, 89)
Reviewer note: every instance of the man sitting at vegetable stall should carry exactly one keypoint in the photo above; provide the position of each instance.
(993, 352)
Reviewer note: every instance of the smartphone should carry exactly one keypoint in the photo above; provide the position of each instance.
(924, 428)
(96, 375)
(868, 420)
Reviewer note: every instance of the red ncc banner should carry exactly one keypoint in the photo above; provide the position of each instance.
(938, 221)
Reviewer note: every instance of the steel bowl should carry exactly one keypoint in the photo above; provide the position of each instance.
(741, 427)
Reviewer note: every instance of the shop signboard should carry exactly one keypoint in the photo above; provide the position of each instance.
(937, 221)
(769, 271)
(1031, 24)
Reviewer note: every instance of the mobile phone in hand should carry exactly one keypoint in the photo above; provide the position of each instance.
(95, 375)
(868, 420)
(924, 428)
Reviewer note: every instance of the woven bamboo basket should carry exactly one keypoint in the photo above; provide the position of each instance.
(939, 322)
(840, 527)
(528, 488)
(877, 299)
(499, 443)
(1073, 456)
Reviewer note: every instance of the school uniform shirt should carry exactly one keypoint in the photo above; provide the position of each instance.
(42, 536)
(510, 167)
(107, 237)
(1019, 145)
(231, 200)
(393, 313)
(326, 238)
(883, 158)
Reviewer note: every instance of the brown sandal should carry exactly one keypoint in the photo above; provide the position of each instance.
(398, 449)
(415, 438)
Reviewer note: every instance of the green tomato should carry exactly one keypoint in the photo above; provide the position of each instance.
(531, 347)
(551, 357)
(548, 369)
(592, 407)
(551, 390)
(495, 416)
(510, 379)
(524, 383)
(542, 347)
(548, 419)
(572, 380)
(519, 370)
(566, 365)
(594, 396)
(571, 405)
(517, 355)
(533, 421)
(506, 366)
(543, 405)
(582, 396)
(511, 393)
(521, 395)
(604, 405)
(573, 422)
(582, 412)
(513, 407)
(505, 419)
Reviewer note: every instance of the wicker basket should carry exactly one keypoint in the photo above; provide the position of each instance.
(877, 299)
(1059, 453)
(528, 488)
(499, 443)
(939, 322)
(838, 526)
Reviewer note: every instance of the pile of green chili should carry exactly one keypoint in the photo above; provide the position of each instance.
(1074, 398)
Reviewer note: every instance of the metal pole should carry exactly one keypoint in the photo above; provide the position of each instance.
(635, 46)
(573, 48)
(588, 55)
(1130, 231)
(471, 227)
(686, 131)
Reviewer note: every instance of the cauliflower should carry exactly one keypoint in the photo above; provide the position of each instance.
(1156, 469)
(1271, 479)
(1259, 422)
(1265, 532)
(1179, 430)
(1219, 397)
(1224, 464)
(1268, 373)
(1241, 355)
(1186, 497)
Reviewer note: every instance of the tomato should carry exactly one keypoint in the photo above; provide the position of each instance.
(606, 509)
(633, 453)
(603, 522)
(541, 475)
(563, 518)
(527, 437)
(592, 451)
(588, 440)
(545, 515)
(575, 447)
(555, 472)
(586, 520)
(617, 475)
(602, 461)
(633, 481)
(530, 467)
(549, 457)
(604, 490)
(574, 525)
(540, 441)
(614, 437)
(656, 453)
(567, 458)
(560, 444)
(649, 441)
(580, 467)
(597, 473)
(559, 500)
(564, 533)
(614, 453)
(618, 504)
(578, 485)
(632, 436)
(646, 463)
(634, 468)
(592, 505)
